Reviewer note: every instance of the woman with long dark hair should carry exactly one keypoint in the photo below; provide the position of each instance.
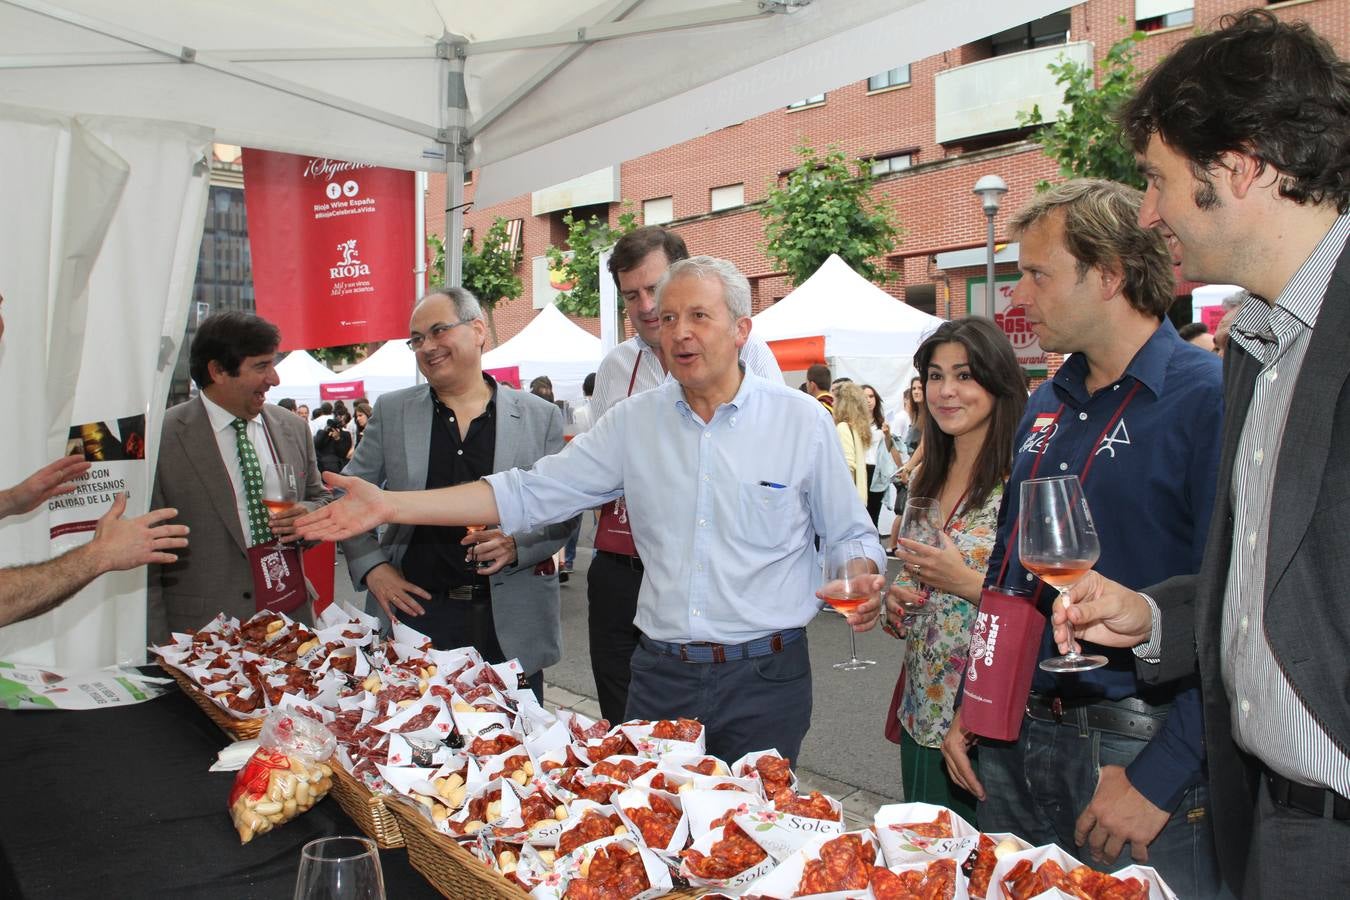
(975, 395)
(883, 457)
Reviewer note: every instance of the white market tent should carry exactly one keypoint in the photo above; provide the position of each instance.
(869, 335)
(301, 375)
(110, 107)
(389, 368)
(551, 345)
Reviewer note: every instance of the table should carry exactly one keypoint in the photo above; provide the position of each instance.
(119, 803)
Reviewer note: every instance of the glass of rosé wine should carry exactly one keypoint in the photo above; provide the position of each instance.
(280, 489)
(1058, 543)
(846, 569)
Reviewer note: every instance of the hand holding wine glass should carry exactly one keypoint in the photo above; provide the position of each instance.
(1058, 542)
(281, 496)
(921, 523)
(849, 581)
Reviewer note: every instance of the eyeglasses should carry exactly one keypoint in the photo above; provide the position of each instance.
(436, 332)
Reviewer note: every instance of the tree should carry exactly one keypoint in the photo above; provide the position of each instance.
(825, 208)
(586, 238)
(346, 353)
(1086, 140)
(488, 272)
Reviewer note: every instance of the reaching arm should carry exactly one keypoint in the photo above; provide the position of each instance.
(52, 480)
(27, 591)
(365, 506)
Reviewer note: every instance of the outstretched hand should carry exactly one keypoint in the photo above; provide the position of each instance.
(52, 480)
(121, 544)
(363, 507)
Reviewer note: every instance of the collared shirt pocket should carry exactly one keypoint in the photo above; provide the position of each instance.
(766, 515)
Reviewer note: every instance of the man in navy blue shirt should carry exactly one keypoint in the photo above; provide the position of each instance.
(1105, 763)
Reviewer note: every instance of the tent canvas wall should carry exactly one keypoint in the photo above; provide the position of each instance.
(869, 335)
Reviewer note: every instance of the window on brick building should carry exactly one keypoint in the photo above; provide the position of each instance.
(922, 297)
(1046, 32)
(809, 101)
(726, 197)
(889, 79)
(658, 210)
(893, 162)
(1153, 15)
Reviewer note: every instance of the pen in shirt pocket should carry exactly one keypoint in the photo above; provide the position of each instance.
(773, 484)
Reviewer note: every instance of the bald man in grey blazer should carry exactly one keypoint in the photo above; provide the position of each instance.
(458, 427)
(232, 361)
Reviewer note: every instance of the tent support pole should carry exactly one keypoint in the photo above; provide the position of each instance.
(419, 234)
(456, 117)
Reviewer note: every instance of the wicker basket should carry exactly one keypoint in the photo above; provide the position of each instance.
(366, 808)
(454, 871)
(237, 729)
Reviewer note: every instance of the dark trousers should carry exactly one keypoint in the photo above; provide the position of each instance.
(612, 592)
(1295, 854)
(751, 704)
(874, 498)
(451, 622)
(1037, 787)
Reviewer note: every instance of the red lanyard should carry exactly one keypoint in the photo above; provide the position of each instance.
(1082, 476)
(632, 379)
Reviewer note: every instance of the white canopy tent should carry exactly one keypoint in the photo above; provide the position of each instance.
(389, 368)
(869, 335)
(526, 94)
(301, 375)
(551, 345)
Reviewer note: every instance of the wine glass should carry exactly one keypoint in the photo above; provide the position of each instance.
(845, 566)
(921, 523)
(1058, 542)
(280, 489)
(471, 557)
(340, 868)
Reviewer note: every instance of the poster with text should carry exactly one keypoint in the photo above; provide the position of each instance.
(332, 248)
(1011, 318)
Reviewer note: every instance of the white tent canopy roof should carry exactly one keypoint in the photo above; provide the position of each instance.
(856, 317)
(552, 90)
(389, 368)
(551, 345)
(300, 375)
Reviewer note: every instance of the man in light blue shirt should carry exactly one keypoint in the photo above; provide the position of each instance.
(731, 481)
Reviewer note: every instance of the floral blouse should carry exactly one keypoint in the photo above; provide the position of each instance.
(935, 648)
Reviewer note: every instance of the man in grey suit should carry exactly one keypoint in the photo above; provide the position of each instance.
(1243, 135)
(232, 360)
(500, 592)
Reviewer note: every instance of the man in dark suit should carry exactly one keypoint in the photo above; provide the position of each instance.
(500, 592)
(1243, 135)
(207, 445)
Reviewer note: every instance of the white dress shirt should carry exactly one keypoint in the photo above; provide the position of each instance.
(725, 513)
(227, 442)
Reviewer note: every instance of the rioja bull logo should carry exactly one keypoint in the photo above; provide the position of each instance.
(350, 266)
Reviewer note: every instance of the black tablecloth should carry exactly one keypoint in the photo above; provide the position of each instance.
(119, 803)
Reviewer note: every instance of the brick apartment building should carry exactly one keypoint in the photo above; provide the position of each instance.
(933, 128)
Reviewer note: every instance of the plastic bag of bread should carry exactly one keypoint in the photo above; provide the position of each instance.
(287, 774)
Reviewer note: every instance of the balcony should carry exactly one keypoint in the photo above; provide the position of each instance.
(600, 186)
(985, 97)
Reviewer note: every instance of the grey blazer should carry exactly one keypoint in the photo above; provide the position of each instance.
(393, 454)
(1307, 620)
(212, 574)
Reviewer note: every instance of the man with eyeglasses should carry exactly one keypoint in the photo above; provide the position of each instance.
(213, 459)
(493, 591)
(639, 260)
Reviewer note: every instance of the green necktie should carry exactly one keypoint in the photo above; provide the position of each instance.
(253, 485)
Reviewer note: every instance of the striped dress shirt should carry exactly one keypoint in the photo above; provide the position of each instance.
(1269, 719)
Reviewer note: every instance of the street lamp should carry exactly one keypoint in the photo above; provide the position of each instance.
(990, 189)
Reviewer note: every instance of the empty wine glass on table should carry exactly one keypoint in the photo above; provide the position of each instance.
(280, 489)
(340, 868)
(847, 572)
(1058, 542)
(921, 523)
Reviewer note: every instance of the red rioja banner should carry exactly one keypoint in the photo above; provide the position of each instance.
(332, 247)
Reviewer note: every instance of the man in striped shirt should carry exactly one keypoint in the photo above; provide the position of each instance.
(1243, 135)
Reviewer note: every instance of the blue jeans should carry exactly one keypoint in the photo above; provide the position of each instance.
(1037, 787)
